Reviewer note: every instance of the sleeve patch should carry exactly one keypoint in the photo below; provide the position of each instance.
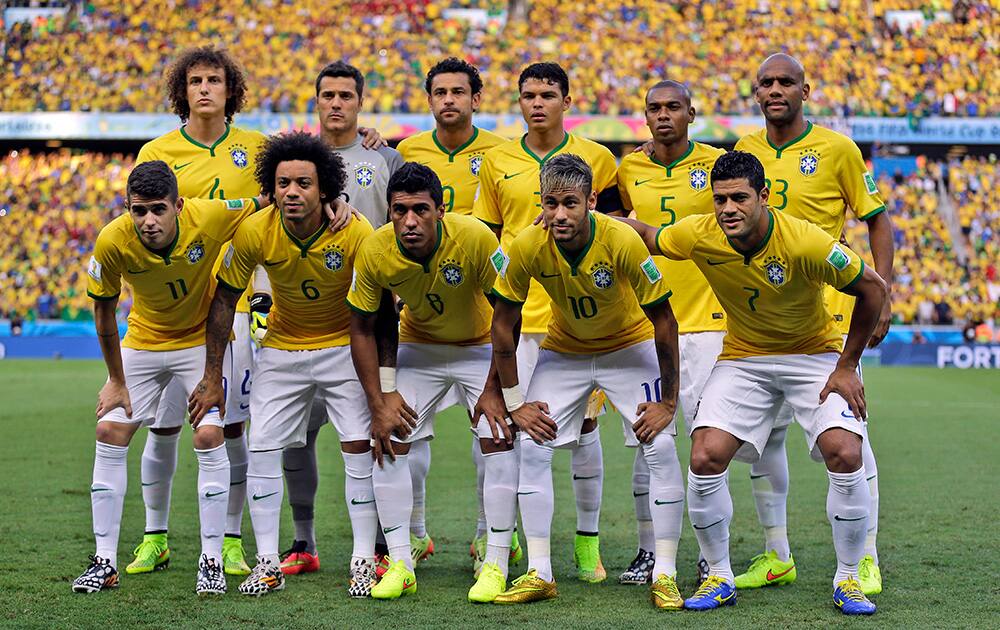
(870, 183)
(500, 262)
(228, 258)
(94, 269)
(837, 258)
(234, 204)
(650, 269)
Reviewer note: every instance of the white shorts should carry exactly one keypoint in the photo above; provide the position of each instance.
(786, 416)
(698, 353)
(628, 377)
(235, 369)
(427, 372)
(287, 381)
(742, 397)
(147, 376)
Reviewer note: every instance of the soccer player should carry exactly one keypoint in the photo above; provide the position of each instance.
(612, 328)
(769, 271)
(339, 96)
(509, 200)
(660, 189)
(166, 255)
(814, 174)
(441, 264)
(304, 353)
(454, 149)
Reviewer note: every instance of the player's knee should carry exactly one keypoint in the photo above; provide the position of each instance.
(207, 437)
(661, 452)
(113, 433)
(705, 461)
(841, 451)
(231, 430)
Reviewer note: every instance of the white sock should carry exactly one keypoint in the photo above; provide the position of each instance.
(394, 500)
(477, 458)
(666, 501)
(236, 450)
(360, 497)
(302, 480)
(213, 497)
(871, 473)
(847, 504)
(107, 494)
(536, 499)
(158, 464)
(710, 509)
(640, 493)
(420, 464)
(769, 481)
(587, 464)
(265, 492)
(501, 505)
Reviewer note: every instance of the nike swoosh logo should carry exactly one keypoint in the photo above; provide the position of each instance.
(524, 493)
(244, 407)
(707, 526)
(837, 517)
(146, 485)
(396, 284)
(136, 273)
(771, 576)
(386, 530)
(757, 476)
(263, 496)
(640, 183)
(658, 502)
(575, 477)
(93, 490)
(271, 263)
(499, 531)
(356, 502)
(408, 583)
(847, 414)
(550, 275)
(717, 262)
(508, 176)
(209, 495)
(178, 167)
(640, 494)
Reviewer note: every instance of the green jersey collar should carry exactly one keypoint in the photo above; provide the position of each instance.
(778, 150)
(541, 161)
(672, 165)
(211, 149)
(451, 154)
(763, 243)
(574, 262)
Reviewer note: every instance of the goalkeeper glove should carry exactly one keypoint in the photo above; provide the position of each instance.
(260, 306)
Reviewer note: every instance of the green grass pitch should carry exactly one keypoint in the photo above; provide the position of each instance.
(935, 434)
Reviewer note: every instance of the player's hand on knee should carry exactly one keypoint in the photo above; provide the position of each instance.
(113, 395)
(491, 406)
(653, 418)
(371, 138)
(340, 213)
(394, 417)
(208, 394)
(847, 383)
(533, 419)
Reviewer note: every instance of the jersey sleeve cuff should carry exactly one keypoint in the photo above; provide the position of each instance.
(504, 298)
(256, 204)
(658, 248)
(358, 309)
(660, 300)
(873, 213)
(229, 287)
(861, 272)
(103, 298)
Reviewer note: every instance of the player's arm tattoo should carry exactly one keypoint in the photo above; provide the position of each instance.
(647, 232)
(218, 328)
(106, 323)
(387, 330)
(871, 292)
(506, 319)
(667, 354)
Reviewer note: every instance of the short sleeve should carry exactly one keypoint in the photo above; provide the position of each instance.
(648, 283)
(104, 272)
(240, 260)
(858, 184)
(393, 159)
(677, 241)
(827, 261)
(146, 154)
(605, 169)
(513, 277)
(366, 293)
(223, 216)
(623, 189)
(486, 207)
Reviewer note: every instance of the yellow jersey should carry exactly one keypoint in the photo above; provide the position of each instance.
(445, 295)
(172, 292)
(224, 170)
(817, 177)
(662, 194)
(596, 295)
(458, 170)
(309, 279)
(774, 296)
(509, 198)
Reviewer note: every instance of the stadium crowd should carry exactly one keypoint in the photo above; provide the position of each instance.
(54, 204)
(861, 62)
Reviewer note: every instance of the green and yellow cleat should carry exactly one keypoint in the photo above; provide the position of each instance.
(396, 582)
(664, 594)
(477, 549)
(869, 576)
(234, 561)
(587, 556)
(489, 584)
(421, 548)
(767, 569)
(516, 553)
(152, 554)
(526, 589)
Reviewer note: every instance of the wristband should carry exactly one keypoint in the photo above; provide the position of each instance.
(387, 378)
(512, 398)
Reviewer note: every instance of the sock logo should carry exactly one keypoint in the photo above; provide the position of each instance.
(258, 497)
(356, 502)
(499, 531)
(386, 530)
(658, 502)
(209, 495)
(838, 517)
(707, 526)
(578, 477)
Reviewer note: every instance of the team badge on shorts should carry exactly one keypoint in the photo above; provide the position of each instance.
(238, 153)
(364, 174)
(774, 269)
(333, 258)
(195, 252)
(451, 273)
(474, 163)
(698, 178)
(602, 275)
(808, 163)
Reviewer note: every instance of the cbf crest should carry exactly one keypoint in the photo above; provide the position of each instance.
(698, 178)
(602, 275)
(809, 162)
(451, 273)
(775, 270)
(475, 162)
(333, 258)
(195, 252)
(364, 174)
(239, 155)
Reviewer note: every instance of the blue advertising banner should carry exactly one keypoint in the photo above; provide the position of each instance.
(962, 356)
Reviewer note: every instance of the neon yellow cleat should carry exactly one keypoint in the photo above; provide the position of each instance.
(490, 583)
(478, 552)
(526, 589)
(767, 570)
(664, 594)
(152, 554)
(233, 560)
(516, 553)
(587, 556)
(396, 582)
(869, 576)
(421, 548)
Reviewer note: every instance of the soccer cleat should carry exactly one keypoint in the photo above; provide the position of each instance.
(869, 576)
(516, 552)
(489, 584)
(767, 569)
(265, 578)
(526, 589)
(664, 594)
(702, 570)
(382, 564)
(477, 549)
(421, 548)
(587, 556)
(211, 580)
(98, 576)
(297, 560)
(641, 569)
(713, 593)
(233, 559)
(396, 582)
(362, 578)
(850, 600)
(152, 554)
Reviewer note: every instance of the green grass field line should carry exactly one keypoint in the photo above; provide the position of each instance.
(934, 432)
